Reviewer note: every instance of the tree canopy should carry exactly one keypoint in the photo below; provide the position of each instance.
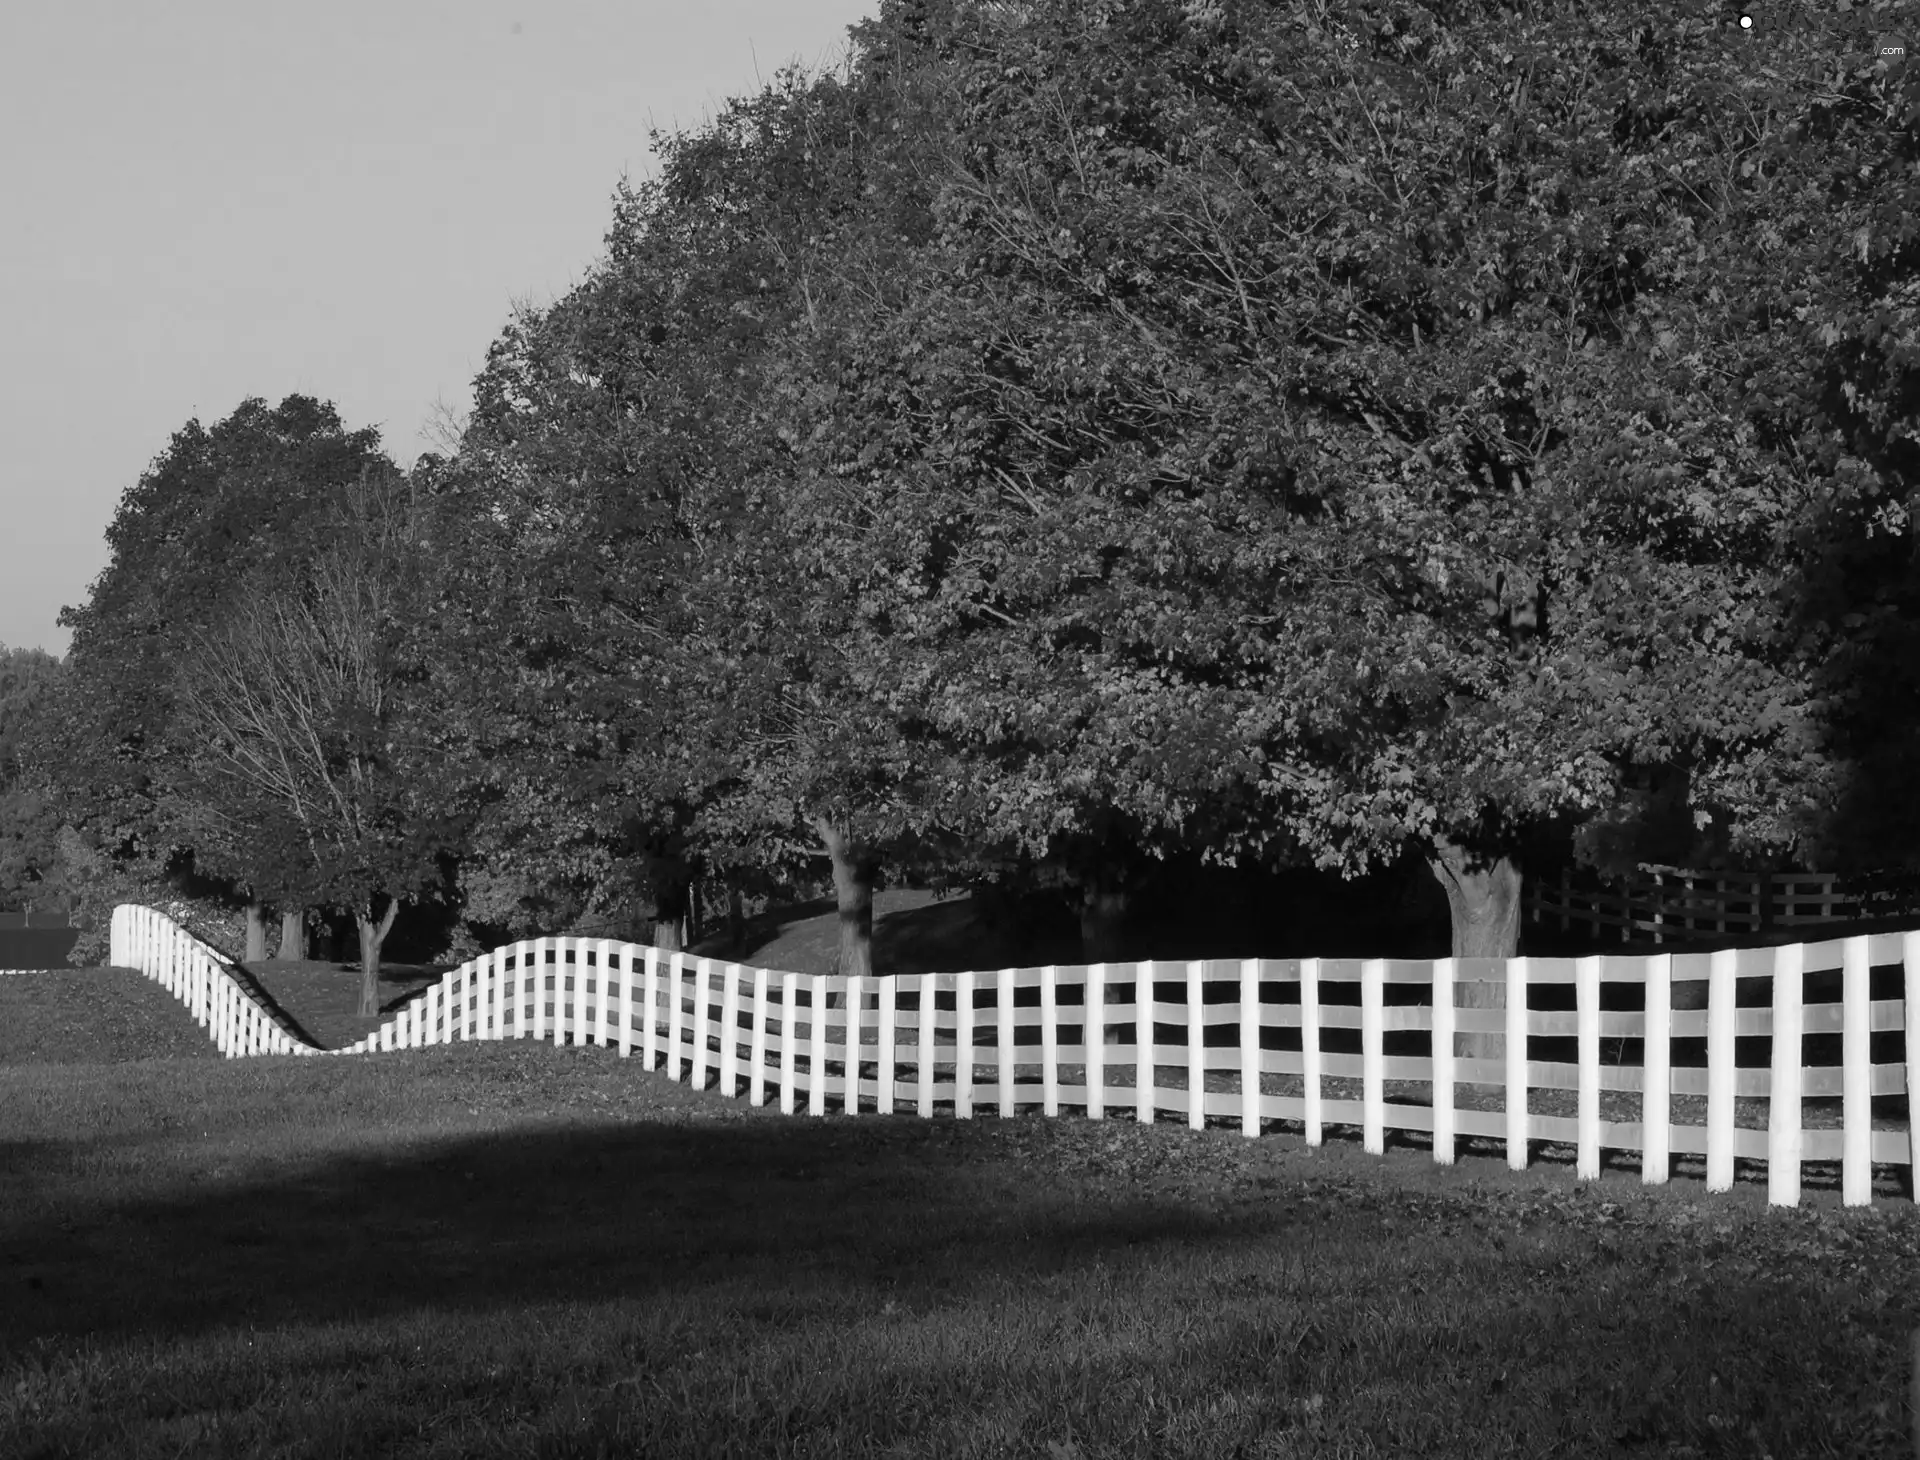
(1077, 433)
(1296, 433)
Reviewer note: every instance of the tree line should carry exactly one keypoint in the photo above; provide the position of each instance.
(1070, 435)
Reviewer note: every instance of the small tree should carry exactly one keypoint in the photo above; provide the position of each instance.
(220, 510)
(311, 760)
(28, 812)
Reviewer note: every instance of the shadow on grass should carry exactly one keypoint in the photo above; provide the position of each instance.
(493, 1222)
(900, 1209)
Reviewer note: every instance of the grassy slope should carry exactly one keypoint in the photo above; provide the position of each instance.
(515, 1249)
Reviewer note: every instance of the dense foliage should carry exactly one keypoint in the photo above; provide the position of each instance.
(1081, 433)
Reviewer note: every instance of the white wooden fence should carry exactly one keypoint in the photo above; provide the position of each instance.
(892, 1043)
(150, 941)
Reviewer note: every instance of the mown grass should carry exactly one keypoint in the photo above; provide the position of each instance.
(521, 1250)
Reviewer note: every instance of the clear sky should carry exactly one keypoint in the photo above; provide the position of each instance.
(212, 199)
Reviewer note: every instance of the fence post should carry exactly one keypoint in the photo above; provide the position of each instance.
(817, 1071)
(929, 983)
(883, 1072)
(789, 1037)
(602, 993)
(963, 1047)
(676, 1013)
(1517, 1064)
(1093, 1041)
(516, 990)
(1657, 1066)
(567, 1010)
(1250, 1047)
(1373, 975)
(1910, 956)
(1445, 1127)
(650, 1018)
(497, 991)
(757, 1086)
(856, 1017)
(1720, 1069)
(1310, 1044)
(540, 946)
(1786, 1139)
(582, 999)
(626, 1000)
(1196, 1045)
(462, 979)
(1049, 1040)
(1586, 990)
(1005, 1011)
(702, 1013)
(1144, 1051)
(730, 1033)
(1856, 1078)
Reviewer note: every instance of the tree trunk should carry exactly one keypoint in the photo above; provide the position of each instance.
(293, 935)
(736, 920)
(1483, 898)
(256, 933)
(1103, 924)
(853, 876)
(672, 893)
(1103, 928)
(372, 935)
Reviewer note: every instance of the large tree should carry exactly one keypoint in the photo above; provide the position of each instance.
(1287, 432)
(657, 665)
(1319, 433)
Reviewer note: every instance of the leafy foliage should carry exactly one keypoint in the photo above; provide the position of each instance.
(28, 819)
(220, 517)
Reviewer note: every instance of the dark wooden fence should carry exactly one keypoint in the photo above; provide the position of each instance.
(1662, 906)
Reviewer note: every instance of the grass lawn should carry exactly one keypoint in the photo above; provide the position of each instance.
(512, 1249)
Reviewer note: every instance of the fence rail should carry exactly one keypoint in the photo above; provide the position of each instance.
(892, 1043)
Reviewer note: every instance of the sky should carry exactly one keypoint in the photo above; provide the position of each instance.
(215, 199)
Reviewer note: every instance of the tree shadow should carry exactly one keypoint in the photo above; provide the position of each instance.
(483, 1223)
